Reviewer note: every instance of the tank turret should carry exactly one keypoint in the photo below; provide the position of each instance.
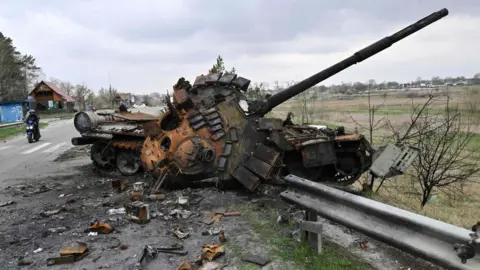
(212, 131)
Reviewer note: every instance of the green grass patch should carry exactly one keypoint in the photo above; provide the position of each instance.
(303, 256)
(16, 130)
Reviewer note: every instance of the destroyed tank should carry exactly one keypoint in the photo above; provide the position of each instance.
(211, 131)
(116, 138)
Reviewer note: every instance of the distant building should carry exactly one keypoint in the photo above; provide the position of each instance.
(126, 98)
(13, 111)
(49, 97)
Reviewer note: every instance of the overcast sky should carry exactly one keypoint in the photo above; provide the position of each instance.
(148, 45)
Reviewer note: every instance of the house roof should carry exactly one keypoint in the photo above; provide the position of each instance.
(57, 90)
(124, 96)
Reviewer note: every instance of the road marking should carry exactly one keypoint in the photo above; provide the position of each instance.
(55, 148)
(36, 148)
(5, 147)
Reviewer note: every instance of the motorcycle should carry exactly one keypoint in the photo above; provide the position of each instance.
(32, 133)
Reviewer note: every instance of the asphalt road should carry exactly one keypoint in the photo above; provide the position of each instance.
(20, 159)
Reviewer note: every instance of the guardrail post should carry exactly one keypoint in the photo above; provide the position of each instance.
(309, 230)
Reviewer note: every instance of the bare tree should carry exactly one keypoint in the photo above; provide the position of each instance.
(447, 156)
(81, 94)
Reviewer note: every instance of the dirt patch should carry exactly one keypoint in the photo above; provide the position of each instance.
(75, 152)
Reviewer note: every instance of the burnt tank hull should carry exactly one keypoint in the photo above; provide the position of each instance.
(211, 130)
(116, 138)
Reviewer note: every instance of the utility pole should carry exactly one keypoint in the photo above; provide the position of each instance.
(110, 90)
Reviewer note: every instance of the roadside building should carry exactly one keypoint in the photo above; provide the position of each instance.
(49, 97)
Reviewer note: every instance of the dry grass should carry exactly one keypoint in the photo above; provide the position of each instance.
(459, 208)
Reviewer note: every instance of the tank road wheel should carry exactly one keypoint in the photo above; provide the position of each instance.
(102, 154)
(128, 162)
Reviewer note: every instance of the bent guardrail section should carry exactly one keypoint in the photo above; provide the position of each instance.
(418, 235)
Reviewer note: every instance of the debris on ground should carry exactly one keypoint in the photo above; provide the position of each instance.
(221, 237)
(138, 212)
(119, 185)
(137, 193)
(152, 252)
(185, 266)
(57, 230)
(99, 227)
(180, 213)
(70, 254)
(24, 262)
(256, 259)
(156, 197)
(6, 203)
(180, 234)
(364, 244)
(49, 213)
(116, 211)
(212, 251)
(38, 250)
(182, 200)
(232, 214)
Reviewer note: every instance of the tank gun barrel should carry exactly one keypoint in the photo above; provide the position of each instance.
(357, 57)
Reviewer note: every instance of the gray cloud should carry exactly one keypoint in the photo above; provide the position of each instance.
(123, 34)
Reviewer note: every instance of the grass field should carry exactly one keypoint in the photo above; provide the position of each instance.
(462, 208)
(13, 131)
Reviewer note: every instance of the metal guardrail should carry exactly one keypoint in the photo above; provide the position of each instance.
(418, 235)
(3, 126)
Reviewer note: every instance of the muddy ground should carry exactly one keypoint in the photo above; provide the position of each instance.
(86, 195)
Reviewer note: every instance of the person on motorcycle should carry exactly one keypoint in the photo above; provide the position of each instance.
(31, 115)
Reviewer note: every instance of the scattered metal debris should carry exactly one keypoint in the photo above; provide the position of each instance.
(180, 234)
(138, 212)
(185, 266)
(152, 252)
(180, 213)
(116, 211)
(119, 185)
(70, 254)
(212, 251)
(221, 237)
(100, 227)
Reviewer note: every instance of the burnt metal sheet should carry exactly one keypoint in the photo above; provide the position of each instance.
(216, 128)
(270, 123)
(199, 125)
(266, 154)
(227, 78)
(227, 149)
(192, 113)
(233, 134)
(222, 163)
(319, 154)
(200, 80)
(259, 167)
(212, 78)
(212, 116)
(138, 116)
(246, 178)
(241, 83)
(209, 111)
(209, 101)
(196, 119)
(217, 136)
(279, 140)
(215, 121)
